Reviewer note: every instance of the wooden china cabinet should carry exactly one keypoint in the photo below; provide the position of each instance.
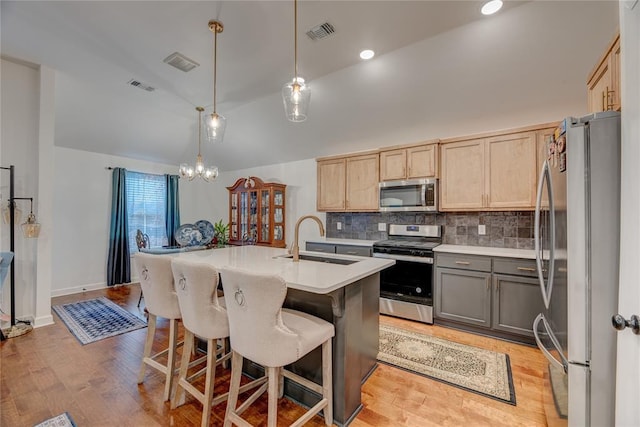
(257, 212)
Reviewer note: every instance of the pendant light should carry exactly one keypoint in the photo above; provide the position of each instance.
(216, 123)
(296, 94)
(190, 172)
(31, 227)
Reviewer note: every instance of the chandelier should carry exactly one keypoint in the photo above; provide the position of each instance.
(190, 172)
(216, 123)
(296, 94)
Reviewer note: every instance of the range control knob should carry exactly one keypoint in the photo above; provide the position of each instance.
(418, 290)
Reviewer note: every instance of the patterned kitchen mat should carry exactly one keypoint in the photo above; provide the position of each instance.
(97, 319)
(474, 369)
(62, 420)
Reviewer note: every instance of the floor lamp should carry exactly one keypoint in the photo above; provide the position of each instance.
(33, 228)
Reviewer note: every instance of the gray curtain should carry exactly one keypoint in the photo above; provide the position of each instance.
(118, 262)
(172, 212)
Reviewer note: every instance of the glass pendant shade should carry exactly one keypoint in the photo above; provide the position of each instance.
(31, 228)
(186, 171)
(216, 125)
(6, 213)
(296, 96)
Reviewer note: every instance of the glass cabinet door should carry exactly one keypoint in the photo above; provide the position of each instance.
(265, 202)
(278, 215)
(234, 216)
(244, 206)
(253, 216)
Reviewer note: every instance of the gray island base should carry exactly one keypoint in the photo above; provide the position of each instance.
(345, 295)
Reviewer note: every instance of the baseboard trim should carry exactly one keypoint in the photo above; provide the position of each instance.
(43, 321)
(85, 288)
(77, 289)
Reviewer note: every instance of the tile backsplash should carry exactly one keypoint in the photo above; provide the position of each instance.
(503, 229)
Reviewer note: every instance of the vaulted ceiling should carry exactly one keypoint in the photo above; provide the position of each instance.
(437, 63)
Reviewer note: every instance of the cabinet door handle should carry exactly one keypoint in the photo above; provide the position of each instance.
(497, 286)
(488, 284)
(526, 269)
(352, 253)
(604, 97)
(610, 97)
(463, 263)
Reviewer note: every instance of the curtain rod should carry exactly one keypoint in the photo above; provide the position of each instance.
(112, 168)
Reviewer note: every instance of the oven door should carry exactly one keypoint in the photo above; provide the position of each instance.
(408, 280)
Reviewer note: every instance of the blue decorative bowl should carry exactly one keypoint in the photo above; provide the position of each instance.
(189, 235)
(207, 231)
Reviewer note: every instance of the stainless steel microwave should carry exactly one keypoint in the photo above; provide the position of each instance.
(409, 195)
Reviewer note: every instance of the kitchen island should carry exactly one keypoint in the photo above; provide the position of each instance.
(340, 289)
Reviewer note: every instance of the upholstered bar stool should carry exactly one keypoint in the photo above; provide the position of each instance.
(265, 333)
(156, 281)
(204, 316)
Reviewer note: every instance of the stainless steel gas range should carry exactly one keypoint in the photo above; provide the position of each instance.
(406, 289)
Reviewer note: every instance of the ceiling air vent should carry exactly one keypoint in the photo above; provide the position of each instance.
(181, 62)
(321, 31)
(134, 82)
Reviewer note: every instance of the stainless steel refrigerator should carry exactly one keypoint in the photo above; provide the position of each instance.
(577, 228)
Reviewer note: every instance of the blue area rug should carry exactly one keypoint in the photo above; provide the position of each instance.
(96, 319)
(62, 420)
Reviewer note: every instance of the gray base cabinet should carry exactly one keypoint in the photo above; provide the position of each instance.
(334, 248)
(516, 302)
(496, 294)
(463, 296)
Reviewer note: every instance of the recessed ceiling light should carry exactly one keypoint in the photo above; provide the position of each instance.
(367, 54)
(491, 7)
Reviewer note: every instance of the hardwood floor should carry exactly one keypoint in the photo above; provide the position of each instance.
(47, 372)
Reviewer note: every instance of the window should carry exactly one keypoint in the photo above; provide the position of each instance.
(146, 201)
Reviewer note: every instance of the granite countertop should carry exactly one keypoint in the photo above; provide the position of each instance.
(310, 276)
(487, 251)
(334, 241)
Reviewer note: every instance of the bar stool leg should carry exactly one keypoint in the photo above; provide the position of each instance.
(151, 331)
(179, 398)
(171, 358)
(327, 381)
(234, 386)
(209, 382)
(272, 412)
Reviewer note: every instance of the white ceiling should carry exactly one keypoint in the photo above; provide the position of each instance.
(437, 62)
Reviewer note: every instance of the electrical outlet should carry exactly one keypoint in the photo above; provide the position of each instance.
(382, 226)
(339, 225)
(482, 230)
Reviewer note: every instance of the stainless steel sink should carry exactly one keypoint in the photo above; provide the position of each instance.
(321, 259)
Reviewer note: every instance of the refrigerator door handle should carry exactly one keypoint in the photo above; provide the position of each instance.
(545, 289)
(564, 363)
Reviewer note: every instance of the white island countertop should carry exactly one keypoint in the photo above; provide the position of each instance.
(310, 276)
(486, 251)
(336, 241)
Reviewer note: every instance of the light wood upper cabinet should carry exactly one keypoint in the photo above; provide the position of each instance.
(393, 165)
(541, 154)
(348, 183)
(362, 183)
(419, 161)
(331, 185)
(422, 161)
(603, 84)
(463, 175)
(490, 173)
(511, 171)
